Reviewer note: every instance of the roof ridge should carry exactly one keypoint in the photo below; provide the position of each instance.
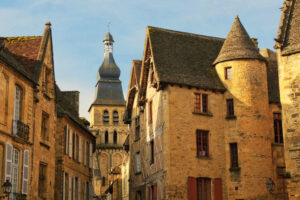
(187, 33)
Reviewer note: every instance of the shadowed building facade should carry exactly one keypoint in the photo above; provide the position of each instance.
(106, 113)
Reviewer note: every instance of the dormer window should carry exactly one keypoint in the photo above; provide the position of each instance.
(105, 117)
(228, 73)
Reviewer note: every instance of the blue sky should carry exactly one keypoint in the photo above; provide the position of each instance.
(78, 27)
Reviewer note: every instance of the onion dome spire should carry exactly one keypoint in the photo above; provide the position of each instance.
(238, 45)
(108, 69)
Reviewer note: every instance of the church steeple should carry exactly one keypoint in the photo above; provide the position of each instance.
(108, 89)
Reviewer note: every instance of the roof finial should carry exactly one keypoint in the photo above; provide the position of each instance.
(48, 24)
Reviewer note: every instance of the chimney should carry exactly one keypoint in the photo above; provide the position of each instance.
(255, 42)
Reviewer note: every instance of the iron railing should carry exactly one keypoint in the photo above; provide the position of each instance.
(20, 129)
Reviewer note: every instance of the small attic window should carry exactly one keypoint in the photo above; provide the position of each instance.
(228, 73)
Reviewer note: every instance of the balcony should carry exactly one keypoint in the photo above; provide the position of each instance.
(20, 130)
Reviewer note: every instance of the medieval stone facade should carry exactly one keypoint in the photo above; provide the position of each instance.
(205, 124)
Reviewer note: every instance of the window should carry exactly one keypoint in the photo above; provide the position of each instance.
(66, 147)
(150, 112)
(103, 181)
(116, 117)
(115, 137)
(106, 137)
(45, 127)
(230, 108)
(151, 152)
(203, 189)
(105, 117)
(138, 195)
(42, 180)
(137, 127)
(74, 146)
(152, 192)
(234, 164)
(15, 170)
(138, 162)
(202, 143)
(18, 103)
(201, 103)
(228, 73)
(278, 128)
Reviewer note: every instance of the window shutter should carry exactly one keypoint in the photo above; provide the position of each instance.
(218, 188)
(74, 186)
(64, 185)
(80, 150)
(70, 144)
(8, 163)
(155, 191)
(192, 188)
(148, 192)
(70, 188)
(79, 189)
(84, 154)
(25, 171)
(85, 189)
(91, 156)
(66, 139)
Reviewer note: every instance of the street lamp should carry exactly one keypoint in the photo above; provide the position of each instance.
(270, 185)
(6, 189)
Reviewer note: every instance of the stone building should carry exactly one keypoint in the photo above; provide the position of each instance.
(106, 113)
(205, 118)
(288, 53)
(27, 115)
(74, 147)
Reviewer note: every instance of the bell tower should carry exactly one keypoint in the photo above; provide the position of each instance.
(106, 113)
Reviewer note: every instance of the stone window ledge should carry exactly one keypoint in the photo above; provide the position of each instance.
(203, 114)
(235, 169)
(230, 117)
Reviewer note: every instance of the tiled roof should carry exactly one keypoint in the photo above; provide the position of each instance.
(185, 58)
(238, 45)
(288, 33)
(25, 50)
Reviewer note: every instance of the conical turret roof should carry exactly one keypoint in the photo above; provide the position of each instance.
(108, 37)
(238, 45)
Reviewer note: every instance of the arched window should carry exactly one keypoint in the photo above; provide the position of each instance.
(115, 137)
(105, 117)
(116, 117)
(18, 103)
(106, 137)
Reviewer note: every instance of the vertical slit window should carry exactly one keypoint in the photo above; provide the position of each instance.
(115, 137)
(278, 128)
(234, 164)
(106, 137)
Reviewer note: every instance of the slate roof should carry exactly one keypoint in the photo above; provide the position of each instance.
(272, 75)
(288, 33)
(238, 45)
(185, 58)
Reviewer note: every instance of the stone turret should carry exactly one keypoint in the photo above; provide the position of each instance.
(243, 72)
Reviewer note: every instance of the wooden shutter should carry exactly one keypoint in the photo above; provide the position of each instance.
(8, 162)
(70, 144)
(84, 154)
(79, 189)
(192, 188)
(218, 188)
(148, 192)
(74, 188)
(80, 150)
(70, 187)
(155, 191)
(25, 171)
(64, 186)
(91, 156)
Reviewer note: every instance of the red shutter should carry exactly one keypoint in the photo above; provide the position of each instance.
(192, 188)
(218, 188)
(155, 191)
(148, 193)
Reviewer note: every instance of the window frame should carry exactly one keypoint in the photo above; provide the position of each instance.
(234, 158)
(204, 188)
(20, 103)
(202, 143)
(115, 137)
(201, 103)
(278, 132)
(152, 152)
(226, 72)
(115, 117)
(230, 107)
(150, 120)
(106, 137)
(105, 119)
(138, 163)
(45, 126)
(137, 128)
